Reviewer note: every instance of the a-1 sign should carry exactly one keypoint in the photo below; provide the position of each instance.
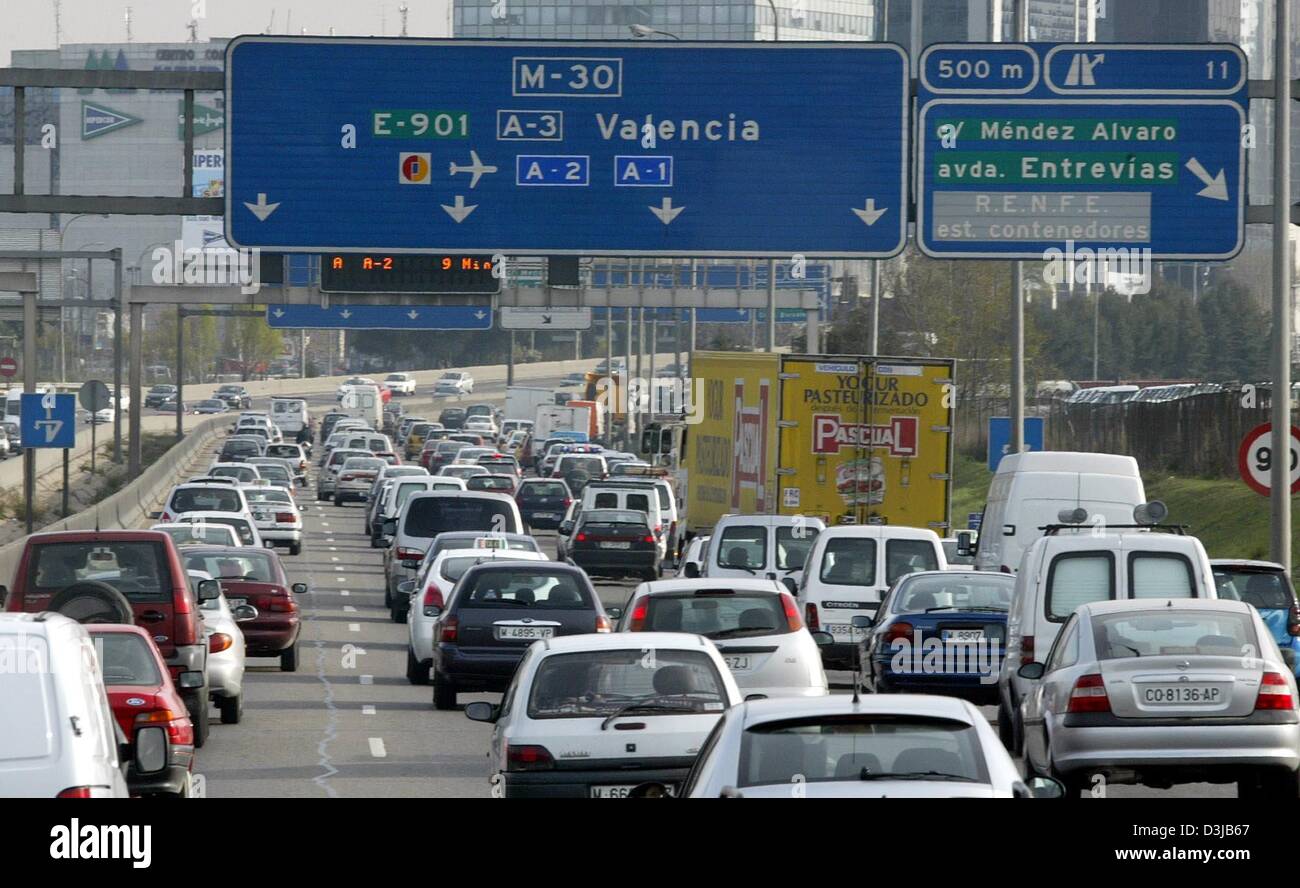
(1255, 459)
(48, 420)
(596, 148)
(1026, 148)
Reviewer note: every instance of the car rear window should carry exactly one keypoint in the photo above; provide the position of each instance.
(238, 524)
(743, 546)
(206, 499)
(1160, 575)
(544, 488)
(430, 516)
(203, 534)
(138, 570)
(716, 614)
(524, 588)
(793, 545)
(592, 465)
(908, 556)
(849, 561)
(598, 684)
(273, 472)
(1077, 578)
(125, 659)
(243, 473)
(363, 464)
(859, 747)
(489, 482)
(1170, 632)
(275, 495)
(284, 451)
(1262, 589)
(240, 447)
(253, 566)
(959, 592)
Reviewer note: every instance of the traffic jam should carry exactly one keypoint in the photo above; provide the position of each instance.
(755, 600)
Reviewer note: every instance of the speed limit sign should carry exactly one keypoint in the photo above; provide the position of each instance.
(1255, 459)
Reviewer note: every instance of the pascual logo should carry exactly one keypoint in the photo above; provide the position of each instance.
(1085, 265)
(749, 466)
(413, 168)
(214, 268)
(102, 842)
(899, 436)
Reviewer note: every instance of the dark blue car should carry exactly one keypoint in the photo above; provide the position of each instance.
(940, 632)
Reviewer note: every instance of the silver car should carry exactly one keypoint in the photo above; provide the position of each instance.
(755, 624)
(1164, 691)
(840, 746)
(225, 653)
(329, 472)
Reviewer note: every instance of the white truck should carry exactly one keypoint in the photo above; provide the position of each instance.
(363, 402)
(289, 414)
(552, 418)
(522, 401)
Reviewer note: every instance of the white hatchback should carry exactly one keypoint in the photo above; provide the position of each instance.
(616, 710)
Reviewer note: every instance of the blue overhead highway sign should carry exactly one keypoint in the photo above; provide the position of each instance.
(1025, 148)
(48, 420)
(380, 317)
(547, 148)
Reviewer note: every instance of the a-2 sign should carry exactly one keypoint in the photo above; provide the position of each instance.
(1255, 459)
(48, 420)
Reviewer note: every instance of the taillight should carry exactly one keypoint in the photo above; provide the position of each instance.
(347, 477)
(285, 517)
(180, 730)
(75, 792)
(218, 642)
(409, 555)
(1027, 649)
(791, 612)
(602, 623)
(568, 501)
(810, 617)
(432, 598)
(897, 631)
(1089, 695)
(528, 758)
(648, 539)
(281, 604)
(449, 627)
(637, 621)
(580, 538)
(1274, 693)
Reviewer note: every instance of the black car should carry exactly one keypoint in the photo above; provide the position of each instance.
(496, 611)
(235, 395)
(327, 424)
(159, 394)
(452, 418)
(613, 543)
(543, 502)
(238, 451)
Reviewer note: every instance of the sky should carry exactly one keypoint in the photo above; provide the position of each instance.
(29, 24)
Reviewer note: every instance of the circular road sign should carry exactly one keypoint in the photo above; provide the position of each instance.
(1255, 459)
(8, 366)
(94, 395)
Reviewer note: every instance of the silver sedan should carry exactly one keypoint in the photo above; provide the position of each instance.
(1164, 691)
(225, 650)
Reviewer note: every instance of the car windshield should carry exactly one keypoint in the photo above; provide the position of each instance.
(253, 565)
(961, 591)
(524, 588)
(714, 613)
(125, 659)
(216, 404)
(240, 448)
(1265, 590)
(394, 377)
(600, 684)
(860, 747)
(1169, 632)
(137, 569)
(432, 515)
(212, 498)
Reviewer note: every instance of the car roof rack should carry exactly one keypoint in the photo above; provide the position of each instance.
(1053, 529)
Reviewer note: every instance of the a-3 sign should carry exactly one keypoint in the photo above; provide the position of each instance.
(1255, 459)
(595, 148)
(1024, 148)
(48, 420)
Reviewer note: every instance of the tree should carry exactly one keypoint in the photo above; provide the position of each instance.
(252, 342)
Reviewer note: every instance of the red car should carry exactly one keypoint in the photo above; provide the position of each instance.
(141, 694)
(122, 576)
(255, 576)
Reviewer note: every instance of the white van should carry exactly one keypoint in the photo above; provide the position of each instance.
(1071, 566)
(363, 402)
(289, 414)
(848, 572)
(60, 738)
(1029, 491)
(770, 546)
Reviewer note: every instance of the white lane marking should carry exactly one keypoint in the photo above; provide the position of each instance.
(377, 747)
(324, 524)
(334, 549)
(354, 627)
(367, 710)
(344, 592)
(338, 566)
(367, 679)
(334, 557)
(349, 609)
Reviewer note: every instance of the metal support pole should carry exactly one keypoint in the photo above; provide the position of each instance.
(29, 385)
(20, 137)
(137, 397)
(180, 372)
(629, 426)
(690, 339)
(654, 343)
(814, 331)
(302, 354)
(66, 459)
(771, 305)
(118, 355)
(876, 290)
(1018, 301)
(1280, 474)
(510, 361)
(640, 356)
(1096, 334)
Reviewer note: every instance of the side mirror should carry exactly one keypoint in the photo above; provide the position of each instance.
(406, 587)
(150, 750)
(1031, 671)
(823, 638)
(155, 515)
(862, 621)
(383, 542)
(481, 711)
(209, 590)
(614, 613)
(692, 570)
(268, 544)
(244, 613)
(300, 588)
(791, 586)
(1045, 788)
(389, 527)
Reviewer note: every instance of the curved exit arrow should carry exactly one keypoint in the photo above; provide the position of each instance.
(1216, 187)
